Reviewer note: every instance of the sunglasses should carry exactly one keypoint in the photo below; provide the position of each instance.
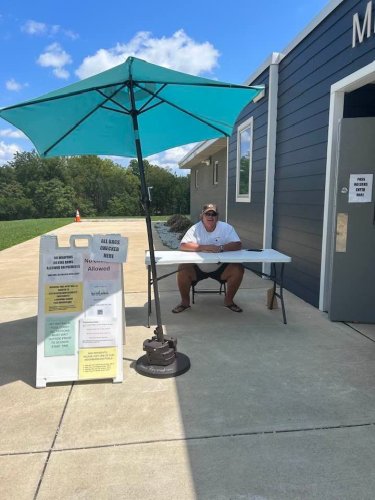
(210, 214)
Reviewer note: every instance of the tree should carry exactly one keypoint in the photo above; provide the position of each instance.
(13, 202)
(170, 193)
(54, 199)
(55, 187)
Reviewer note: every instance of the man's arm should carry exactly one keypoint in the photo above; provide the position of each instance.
(232, 246)
(195, 247)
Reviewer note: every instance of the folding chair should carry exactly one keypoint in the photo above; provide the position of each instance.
(194, 291)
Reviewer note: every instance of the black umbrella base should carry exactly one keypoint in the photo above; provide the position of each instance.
(180, 365)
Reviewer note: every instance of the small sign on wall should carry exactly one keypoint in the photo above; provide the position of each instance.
(360, 188)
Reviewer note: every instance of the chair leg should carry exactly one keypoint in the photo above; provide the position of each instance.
(222, 289)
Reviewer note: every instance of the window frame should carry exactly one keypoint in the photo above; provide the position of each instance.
(248, 124)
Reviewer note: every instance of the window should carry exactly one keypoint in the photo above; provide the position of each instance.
(196, 179)
(216, 173)
(244, 160)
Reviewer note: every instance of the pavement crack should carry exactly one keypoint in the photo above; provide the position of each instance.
(184, 439)
(53, 443)
(358, 331)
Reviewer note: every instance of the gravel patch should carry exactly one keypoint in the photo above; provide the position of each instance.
(170, 240)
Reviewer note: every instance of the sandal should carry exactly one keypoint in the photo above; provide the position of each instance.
(234, 307)
(180, 308)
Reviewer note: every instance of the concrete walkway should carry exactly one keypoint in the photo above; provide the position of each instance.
(267, 410)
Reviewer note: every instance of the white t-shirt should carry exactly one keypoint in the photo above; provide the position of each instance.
(222, 234)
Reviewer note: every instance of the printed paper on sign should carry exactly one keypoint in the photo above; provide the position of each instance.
(97, 363)
(63, 298)
(97, 333)
(360, 188)
(109, 248)
(62, 267)
(59, 336)
(100, 299)
(94, 270)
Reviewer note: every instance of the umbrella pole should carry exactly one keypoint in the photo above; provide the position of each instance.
(161, 359)
(146, 206)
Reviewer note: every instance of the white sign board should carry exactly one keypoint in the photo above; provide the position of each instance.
(81, 314)
(360, 188)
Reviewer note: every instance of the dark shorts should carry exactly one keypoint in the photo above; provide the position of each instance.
(214, 275)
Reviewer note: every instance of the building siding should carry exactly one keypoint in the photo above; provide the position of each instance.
(306, 74)
(247, 218)
(305, 79)
(207, 191)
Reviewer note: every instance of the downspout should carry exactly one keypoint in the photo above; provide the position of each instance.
(271, 153)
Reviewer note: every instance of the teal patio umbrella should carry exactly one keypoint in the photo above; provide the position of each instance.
(133, 110)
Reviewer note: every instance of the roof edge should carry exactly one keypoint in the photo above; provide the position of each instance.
(201, 146)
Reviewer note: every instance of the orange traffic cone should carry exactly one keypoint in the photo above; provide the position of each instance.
(78, 217)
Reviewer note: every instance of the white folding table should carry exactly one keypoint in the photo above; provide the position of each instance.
(244, 257)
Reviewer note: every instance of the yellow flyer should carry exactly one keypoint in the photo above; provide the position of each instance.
(98, 363)
(63, 298)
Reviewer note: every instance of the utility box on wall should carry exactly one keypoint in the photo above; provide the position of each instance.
(81, 314)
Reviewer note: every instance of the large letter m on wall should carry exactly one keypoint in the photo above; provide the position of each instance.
(358, 31)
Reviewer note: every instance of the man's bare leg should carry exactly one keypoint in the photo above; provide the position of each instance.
(185, 276)
(233, 275)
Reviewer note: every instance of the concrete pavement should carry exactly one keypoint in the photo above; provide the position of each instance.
(267, 410)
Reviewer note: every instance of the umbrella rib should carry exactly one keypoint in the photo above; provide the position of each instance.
(151, 98)
(196, 117)
(69, 94)
(123, 112)
(82, 120)
(200, 84)
(114, 102)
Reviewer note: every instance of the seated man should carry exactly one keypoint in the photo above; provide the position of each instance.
(209, 235)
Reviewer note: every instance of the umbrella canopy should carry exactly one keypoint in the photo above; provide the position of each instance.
(131, 110)
(94, 116)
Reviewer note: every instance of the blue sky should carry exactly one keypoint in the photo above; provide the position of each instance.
(48, 44)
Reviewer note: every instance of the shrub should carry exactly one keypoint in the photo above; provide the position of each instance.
(173, 219)
(181, 225)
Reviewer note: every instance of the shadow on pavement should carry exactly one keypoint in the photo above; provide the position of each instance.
(18, 351)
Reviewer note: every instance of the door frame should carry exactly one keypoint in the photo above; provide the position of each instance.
(351, 82)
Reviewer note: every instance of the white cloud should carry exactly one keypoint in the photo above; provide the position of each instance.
(179, 52)
(70, 34)
(7, 151)
(34, 28)
(14, 134)
(169, 159)
(61, 73)
(55, 57)
(15, 86)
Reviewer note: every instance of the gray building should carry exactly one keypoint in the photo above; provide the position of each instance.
(299, 166)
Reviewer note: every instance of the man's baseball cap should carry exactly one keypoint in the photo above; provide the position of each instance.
(209, 207)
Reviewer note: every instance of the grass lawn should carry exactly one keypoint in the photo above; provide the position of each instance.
(16, 231)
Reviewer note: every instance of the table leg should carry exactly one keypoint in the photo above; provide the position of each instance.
(278, 281)
(281, 292)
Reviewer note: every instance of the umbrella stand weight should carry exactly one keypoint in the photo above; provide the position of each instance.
(160, 353)
(162, 359)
